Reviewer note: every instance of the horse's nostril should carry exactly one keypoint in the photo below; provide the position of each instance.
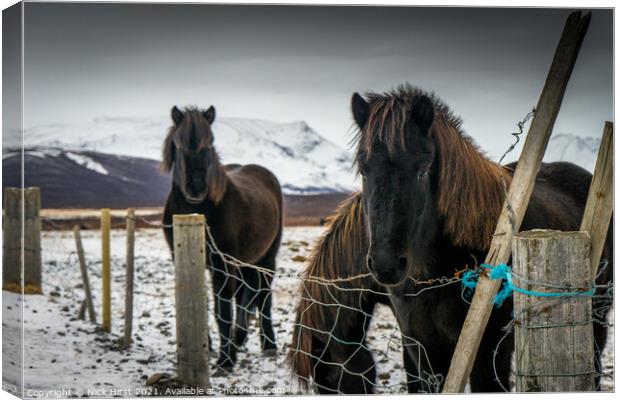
(369, 262)
(402, 263)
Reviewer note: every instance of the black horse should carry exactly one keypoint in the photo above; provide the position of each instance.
(432, 201)
(337, 298)
(243, 208)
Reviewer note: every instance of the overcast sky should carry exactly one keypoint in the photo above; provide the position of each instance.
(287, 63)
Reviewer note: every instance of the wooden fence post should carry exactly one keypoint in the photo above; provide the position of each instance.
(131, 224)
(190, 294)
(600, 203)
(12, 246)
(554, 340)
(88, 300)
(22, 235)
(105, 269)
(32, 239)
(517, 199)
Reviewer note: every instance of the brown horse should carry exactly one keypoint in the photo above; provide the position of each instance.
(243, 208)
(328, 346)
(431, 200)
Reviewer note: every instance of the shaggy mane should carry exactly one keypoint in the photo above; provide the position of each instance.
(470, 188)
(338, 254)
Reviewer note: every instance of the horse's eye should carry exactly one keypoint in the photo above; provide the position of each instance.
(423, 174)
(363, 170)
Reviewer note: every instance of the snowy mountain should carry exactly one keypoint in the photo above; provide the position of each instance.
(576, 149)
(82, 179)
(87, 179)
(304, 161)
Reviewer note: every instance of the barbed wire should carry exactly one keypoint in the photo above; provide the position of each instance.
(517, 138)
(517, 135)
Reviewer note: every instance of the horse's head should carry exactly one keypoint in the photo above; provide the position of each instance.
(396, 158)
(188, 151)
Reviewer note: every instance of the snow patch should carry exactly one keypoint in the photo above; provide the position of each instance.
(40, 153)
(87, 162)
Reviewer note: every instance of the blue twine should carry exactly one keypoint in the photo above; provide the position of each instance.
(470, 279)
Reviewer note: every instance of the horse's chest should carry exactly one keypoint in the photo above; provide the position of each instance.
(243, 244)
(435, 311)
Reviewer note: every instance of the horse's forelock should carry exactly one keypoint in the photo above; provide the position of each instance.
(194, 132)
(388, 119)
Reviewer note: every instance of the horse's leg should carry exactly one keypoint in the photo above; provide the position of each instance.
(410, 370)
(601, 304)
(429, 357)
(246, 296)
(169, 240)
(424, 366)
(600, 339)
(359, 374)
(369, 370)
(223, 315)
(268, 338)
(489, 375)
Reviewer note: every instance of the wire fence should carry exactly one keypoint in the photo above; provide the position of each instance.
(368, 358)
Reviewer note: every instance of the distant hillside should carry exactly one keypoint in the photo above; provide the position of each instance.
(86, 179)
(304, 161)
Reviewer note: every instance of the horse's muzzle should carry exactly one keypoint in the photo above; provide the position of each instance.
(195, 199)
(387, 268)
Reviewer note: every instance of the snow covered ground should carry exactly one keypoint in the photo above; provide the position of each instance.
(67, 357)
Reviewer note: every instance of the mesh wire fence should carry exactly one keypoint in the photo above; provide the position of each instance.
(371, 358)
(368, 357)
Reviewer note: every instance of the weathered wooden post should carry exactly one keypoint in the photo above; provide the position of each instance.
(190, 295)
(32, 239)
(131, 225)
(600, 203)
(22, 236)
(554, 340)
(105, 269)
(12, 244)
(88, 300)
(517, 199)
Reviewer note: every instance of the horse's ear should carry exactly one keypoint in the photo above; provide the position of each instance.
(360, 109)
(177, 115)
(210, 114)
(423, 113)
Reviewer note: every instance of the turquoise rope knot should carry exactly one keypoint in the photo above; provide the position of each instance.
(469, 280)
